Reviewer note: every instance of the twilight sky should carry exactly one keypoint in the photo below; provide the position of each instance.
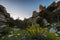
(23, 8)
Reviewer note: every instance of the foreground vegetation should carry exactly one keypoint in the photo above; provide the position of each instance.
(31, 33)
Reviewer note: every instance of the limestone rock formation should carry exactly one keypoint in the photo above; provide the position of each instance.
(4, 18)
(41, 8)
(47, 14)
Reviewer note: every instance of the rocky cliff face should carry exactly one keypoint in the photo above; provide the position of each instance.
(4, 18)
(41, 16)
(48, 14)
